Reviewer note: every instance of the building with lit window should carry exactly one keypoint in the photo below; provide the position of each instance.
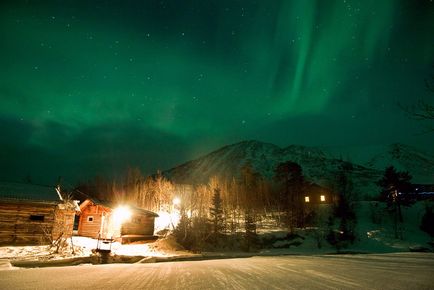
(316, 194)
(105, 220)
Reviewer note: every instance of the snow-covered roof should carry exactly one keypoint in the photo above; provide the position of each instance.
(28, 192)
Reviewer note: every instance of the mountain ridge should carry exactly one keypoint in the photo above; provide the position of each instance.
(318, 165)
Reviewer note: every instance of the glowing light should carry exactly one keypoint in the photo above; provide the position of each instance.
(167, 220)
(162, 221)
(121, 214)
(306, 199)
(176, 201)
(322, 197)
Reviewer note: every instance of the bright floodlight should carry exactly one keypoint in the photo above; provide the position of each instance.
(176, 201)
(121, 214)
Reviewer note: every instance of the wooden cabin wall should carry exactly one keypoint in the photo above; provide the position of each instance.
(88, 228)
(139, 225)
(17, 227)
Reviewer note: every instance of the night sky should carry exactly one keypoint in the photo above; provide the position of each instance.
(92, 87)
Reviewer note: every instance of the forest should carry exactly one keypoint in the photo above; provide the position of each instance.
(229, 214)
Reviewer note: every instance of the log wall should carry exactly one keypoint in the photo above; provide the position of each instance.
(17, 228)
(139, 225)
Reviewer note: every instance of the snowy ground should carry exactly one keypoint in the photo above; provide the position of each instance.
(372, 238)
(380, 271)
(83, 247)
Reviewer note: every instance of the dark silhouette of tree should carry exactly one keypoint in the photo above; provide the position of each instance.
(183, 232)
(343, 211)
(422, 110)
(427, 223)
(216, 214)
(255, 189)
(394, 186)
(251, 238)
(290, 177)
(249, 186)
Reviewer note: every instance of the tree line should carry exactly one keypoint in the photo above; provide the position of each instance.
(227, 213)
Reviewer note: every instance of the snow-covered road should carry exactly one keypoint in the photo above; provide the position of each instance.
(385, 271)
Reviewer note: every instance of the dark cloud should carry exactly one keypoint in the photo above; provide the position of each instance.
(106, 150)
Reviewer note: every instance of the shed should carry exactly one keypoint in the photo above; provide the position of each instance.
(33, 214)
(103, 219)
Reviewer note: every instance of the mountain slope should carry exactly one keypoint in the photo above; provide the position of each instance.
(227, 162)
(403, 157)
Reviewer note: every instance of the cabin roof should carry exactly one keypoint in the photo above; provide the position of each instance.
(28, 192)
(112, 205)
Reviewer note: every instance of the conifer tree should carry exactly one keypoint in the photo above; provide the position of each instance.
(216, 214)
(251, 238)
(394, 185)
(343, 212)
(183, 231)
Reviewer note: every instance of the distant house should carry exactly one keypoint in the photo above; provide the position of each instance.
(318, 195)
(33, 214)
(422, 192)
(105, 220)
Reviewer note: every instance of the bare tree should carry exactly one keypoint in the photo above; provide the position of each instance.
(422, 110)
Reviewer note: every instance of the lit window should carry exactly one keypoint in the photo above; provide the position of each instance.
(306, 199)
(322, 197)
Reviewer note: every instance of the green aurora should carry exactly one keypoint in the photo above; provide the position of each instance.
(91, 87)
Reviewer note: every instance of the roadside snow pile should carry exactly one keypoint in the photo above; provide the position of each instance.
(281, 239)
(167, 245)
(82, 247)
(85, 252)
(132, 250)
(161, 247)
(5, 264)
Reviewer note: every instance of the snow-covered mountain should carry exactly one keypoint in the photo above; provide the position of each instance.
(226, 162)
(403, 157)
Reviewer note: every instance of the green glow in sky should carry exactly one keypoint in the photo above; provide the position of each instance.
(113, 84)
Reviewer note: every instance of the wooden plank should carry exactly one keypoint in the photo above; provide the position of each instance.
(17, 227)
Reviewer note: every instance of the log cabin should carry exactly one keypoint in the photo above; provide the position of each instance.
(33, 214)
(104, 220)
